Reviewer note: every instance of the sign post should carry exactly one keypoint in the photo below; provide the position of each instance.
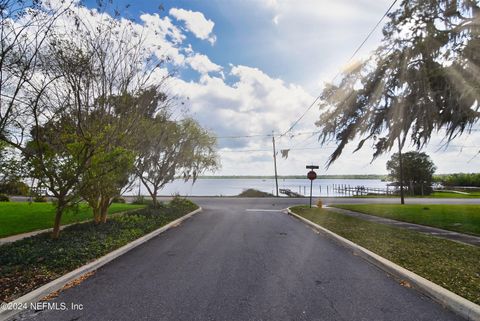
(311, 175)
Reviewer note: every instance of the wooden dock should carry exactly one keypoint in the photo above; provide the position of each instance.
(361, 190)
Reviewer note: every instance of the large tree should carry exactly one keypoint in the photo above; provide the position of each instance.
(174, 149)
(91, 70)
(417, 172)
(57, 157)
(424, 78)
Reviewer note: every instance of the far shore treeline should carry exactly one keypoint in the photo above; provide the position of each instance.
(456, 179)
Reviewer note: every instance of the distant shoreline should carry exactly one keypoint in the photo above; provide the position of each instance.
(367, 176)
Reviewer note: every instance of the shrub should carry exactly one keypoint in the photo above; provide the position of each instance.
(40, 199)
(139, 200)
(4, 198)
(14, 187)
(118, 199)
(175, 207)
(180, 202)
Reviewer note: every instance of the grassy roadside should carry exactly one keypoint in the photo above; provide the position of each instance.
(433, 195)
(475, 194)
(458, 218)
(30, 263)
(451, 265)
(22, 217)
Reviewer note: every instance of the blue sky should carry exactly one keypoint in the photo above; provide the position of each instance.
(253, 67)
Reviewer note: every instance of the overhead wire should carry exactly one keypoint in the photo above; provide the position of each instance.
(339, 72)
(264, 135)
(267, 150)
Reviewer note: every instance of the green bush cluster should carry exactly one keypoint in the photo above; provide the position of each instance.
(14, 187)
(118, 199)
(459, 179)
(171, 209)
(4, 198)
(139, 200)
(40, 199)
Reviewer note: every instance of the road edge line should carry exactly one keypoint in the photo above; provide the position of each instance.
(57, 284)
(447, 298)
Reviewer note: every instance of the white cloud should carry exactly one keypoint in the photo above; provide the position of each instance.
(162, 35)
(163, 27)
(202, 64)
(196, 23)
(253, 103)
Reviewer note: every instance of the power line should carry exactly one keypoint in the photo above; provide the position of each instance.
(313, 148)
(371, 32)
(244, 136)
(269, 150)
(338, 73)
(265, 135)
(301, 117)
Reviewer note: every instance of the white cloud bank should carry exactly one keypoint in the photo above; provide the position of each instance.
(253, 103)
(196, 23)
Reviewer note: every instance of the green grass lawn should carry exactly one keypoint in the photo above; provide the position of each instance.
(433, 195)
(452, 265)
(458, 218)
(22, 217)
(454, 195)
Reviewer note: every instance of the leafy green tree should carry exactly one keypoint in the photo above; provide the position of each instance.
(460, 179)
(174, 149)
(107, 173)
(12, 172)
(418, 170)
(57, 157)
(424, 78)
(117, 134)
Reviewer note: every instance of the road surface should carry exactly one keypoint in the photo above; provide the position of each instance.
(242, 259)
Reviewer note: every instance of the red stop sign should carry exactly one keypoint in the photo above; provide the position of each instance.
(311, 175)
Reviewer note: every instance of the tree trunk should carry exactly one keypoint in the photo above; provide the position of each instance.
(58, 218)
(400, 161)
(154, 197)
(104, 209)
(96, 214)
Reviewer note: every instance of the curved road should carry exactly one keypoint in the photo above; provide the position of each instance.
(243, 259)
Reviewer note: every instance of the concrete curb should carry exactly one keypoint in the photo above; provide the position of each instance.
(448, 299)
(57, 284)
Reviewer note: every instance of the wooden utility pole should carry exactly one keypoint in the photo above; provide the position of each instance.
(275, 163)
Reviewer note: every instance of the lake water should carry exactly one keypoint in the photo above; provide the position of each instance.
(232, 187)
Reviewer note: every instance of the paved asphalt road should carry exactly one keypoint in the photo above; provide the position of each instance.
(234, 261)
